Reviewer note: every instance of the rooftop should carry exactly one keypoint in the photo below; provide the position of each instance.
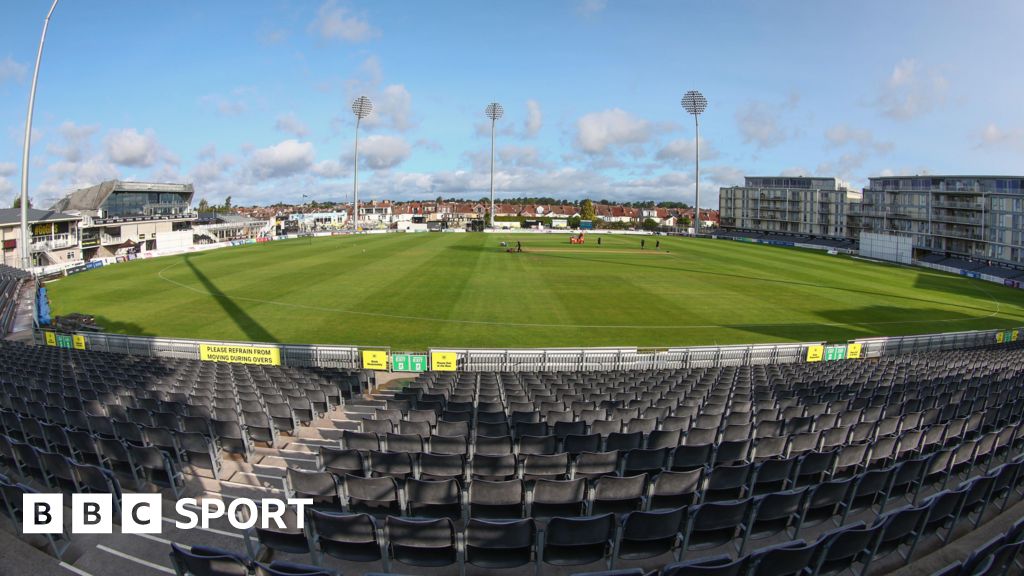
(90, 199)
(13, 216)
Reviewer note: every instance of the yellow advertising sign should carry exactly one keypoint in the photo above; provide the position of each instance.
(1013, 335)
(999, 337)
(241, 354)
(42, 229)
(375, 360)
(815, 353)
(853, 350)
(444, 361)
(79, 342)
(51, 338)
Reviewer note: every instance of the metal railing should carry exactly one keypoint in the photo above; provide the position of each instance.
(554, 359)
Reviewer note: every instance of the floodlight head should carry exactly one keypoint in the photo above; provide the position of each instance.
(362, 107)
(694, 102)
(494, 111)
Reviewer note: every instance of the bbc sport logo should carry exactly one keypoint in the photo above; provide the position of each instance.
(143, 513)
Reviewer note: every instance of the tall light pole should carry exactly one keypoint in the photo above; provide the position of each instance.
(493, 111)
(26, 257)
(361, 107)
(695, 103)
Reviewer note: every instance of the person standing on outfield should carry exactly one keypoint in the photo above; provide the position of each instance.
(642, 243)
(519, 246)
(657, 244)
(598, 240)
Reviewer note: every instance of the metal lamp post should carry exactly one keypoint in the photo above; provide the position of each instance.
(26, 257)
(493, 111)
(695, 103)
(361, 107)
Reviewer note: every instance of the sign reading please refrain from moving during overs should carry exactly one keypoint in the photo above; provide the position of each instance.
(266, 355)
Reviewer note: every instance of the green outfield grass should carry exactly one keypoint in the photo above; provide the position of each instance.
(414, 291)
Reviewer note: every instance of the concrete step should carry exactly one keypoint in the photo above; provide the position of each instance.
(252, 485)
(279, 463)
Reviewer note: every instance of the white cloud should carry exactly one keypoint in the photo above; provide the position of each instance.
(993, 136)
(11, 70)
(211, 168)
(273, 37)
(329, 169)
(534, 119)
(682, 152)
(598, 132)
(233, 104)
(520, 156)
(130, 148)
(759, 124)
(6, 187)
(589, 8)
(382, 152)
(393, 107)
(282, 159)
(844, 167)
(795, 171)
(860, 145)
(76, 141)
(64, 176)
(291, 124)
(7, 169)
(911, 90)
(392, 104)
(843, 135)
(334, 22)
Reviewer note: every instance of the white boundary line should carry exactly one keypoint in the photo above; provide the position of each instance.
(73, 569)
(126, 556)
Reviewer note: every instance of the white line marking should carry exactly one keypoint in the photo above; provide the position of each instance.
(161, 540)
(71, 568)
(146, 563)
(210, 530)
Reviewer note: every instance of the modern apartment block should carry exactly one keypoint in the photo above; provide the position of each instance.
(976, 217)
(801, 205)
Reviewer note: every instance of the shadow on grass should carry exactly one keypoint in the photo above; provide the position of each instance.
(253, 330)
(964, 286)
(870, 321)
(128, 328)
(980, 309)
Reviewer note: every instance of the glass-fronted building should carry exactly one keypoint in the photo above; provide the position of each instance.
(118, 216)
(974, 217)
(798, 205)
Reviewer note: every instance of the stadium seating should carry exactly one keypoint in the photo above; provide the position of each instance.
(865, 464)
(11, 280)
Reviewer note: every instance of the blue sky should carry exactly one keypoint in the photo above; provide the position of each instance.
(251, 99)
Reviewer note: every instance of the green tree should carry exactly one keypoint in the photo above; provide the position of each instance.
(227, 203)
(204, 206)
(17, 202)
(650, 224)
(587, 210)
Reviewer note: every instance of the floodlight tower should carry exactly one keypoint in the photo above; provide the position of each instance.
(493, 111)
(26, 254)
(695, 103)
(361, 107)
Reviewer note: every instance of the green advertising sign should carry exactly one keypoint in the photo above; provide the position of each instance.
(409, 362)
(835, 353)
(64, 341)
